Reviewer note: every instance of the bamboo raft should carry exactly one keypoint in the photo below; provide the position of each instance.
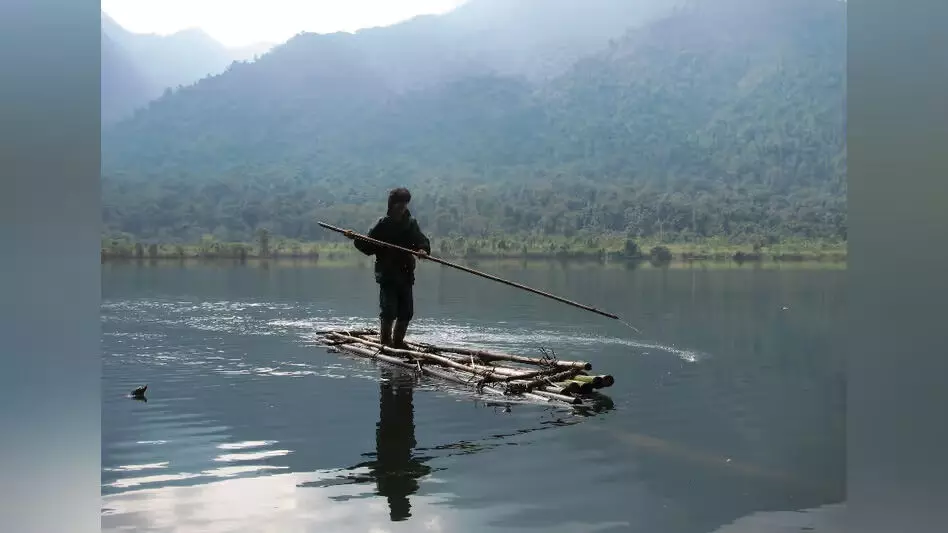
(545, 379)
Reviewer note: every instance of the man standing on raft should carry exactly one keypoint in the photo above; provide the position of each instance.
(394, 269)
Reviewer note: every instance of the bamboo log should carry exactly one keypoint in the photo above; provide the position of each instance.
(571, 387)
(542, 374)
(450, 376)
(546, 380)
(498, 356)
(444, 361)
(555, 389)
(605, 380)
(478, 363)
(499, 370)
(512, 374)
(582, 387)
(562, 388)
(473, 379)
(445, 374)
(596, 381)
(546, 391)
(517, 375)
(357, 332)
(507, 375)
(554, 396)
(567, 387)
(543, 386)
(469, 379)
(486, 357)
(409, 365)
(543, 381)
(373, 355)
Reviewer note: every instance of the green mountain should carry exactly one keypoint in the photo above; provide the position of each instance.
(717, 118)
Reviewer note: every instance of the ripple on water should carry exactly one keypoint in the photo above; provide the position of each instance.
(245, 444)
(238, 318)
(243, 318)
(137, 468)
(131, 482)
(250, 456)
(240, 458)
(443, 332)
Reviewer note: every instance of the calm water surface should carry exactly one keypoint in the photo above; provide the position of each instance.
(727, 406)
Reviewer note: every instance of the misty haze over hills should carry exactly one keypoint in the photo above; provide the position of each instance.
(533, 39)
(123, 86)
(141, 66)
(567, 118)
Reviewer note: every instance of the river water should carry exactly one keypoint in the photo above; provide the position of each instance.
(728, 403)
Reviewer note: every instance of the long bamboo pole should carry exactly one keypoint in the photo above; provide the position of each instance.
(471, 271)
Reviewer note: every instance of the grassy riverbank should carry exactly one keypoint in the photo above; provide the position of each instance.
(606, 248)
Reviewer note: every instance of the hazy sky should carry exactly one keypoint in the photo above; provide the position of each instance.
(242, 22)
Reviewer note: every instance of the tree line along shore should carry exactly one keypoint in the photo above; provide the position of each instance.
(595, 248)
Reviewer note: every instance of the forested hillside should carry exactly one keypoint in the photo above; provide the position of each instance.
(722, 118)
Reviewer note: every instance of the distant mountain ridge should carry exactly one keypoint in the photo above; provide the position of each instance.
(123, 86)
(532, 39)
(160, 62)
(712, 118)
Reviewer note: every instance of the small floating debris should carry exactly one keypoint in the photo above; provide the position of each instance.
(545, 378)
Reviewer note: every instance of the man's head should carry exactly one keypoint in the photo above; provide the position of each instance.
(398, 200)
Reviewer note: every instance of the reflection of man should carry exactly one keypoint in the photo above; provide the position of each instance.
(396, 471)
(394, 269)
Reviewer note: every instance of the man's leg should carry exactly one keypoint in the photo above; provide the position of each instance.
(388, 311)
(406, 311)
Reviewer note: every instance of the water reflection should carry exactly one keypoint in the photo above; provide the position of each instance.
(730, 402)
(398, 464)
(395, 469)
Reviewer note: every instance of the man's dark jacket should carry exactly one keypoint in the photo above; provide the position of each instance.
(394, 267)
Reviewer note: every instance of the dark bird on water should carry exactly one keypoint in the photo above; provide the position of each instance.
(139, 392)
